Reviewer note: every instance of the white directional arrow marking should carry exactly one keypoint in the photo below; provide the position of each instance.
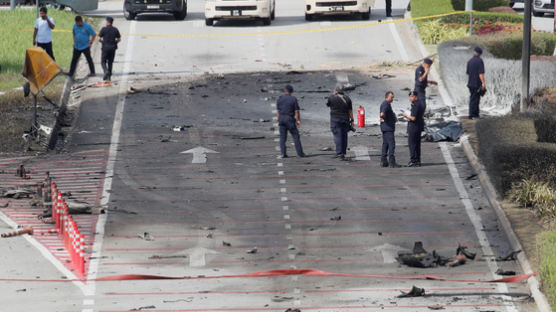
(199, 154)
(361, 152)
(198, 256)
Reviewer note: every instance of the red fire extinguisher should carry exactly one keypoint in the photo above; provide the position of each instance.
(361, 117)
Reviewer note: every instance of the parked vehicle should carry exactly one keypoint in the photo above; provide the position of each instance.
(338, 7)
(540, 7)
(176, 7)
(513, 2)
(239, 9)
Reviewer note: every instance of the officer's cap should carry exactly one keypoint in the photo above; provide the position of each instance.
(110, 19)
(413, 93)
(427, 61)
(288, 88)
(478, 50)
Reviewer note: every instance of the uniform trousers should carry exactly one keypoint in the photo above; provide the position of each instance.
(474, 101)
(288, 124)
(414, 142)
(388, 147)
(340, 129)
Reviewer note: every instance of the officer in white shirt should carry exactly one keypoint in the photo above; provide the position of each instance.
(42, 36)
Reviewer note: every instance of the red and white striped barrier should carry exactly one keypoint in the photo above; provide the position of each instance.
(74, 241)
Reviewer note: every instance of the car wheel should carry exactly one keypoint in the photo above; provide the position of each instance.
(267, 21)
(129, 15)
(367, 15)
(209, 21)
(309, 17)
(180, 15)
(538, 14)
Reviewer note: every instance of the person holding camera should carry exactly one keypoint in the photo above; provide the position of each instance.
(341, 120)
(42, 35)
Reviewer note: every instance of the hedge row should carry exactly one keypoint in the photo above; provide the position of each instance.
(511, 152)
(491, 17)
(508, 46)
(481, 5)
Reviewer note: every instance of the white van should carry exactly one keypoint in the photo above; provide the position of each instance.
(338, 7)
(239, 9)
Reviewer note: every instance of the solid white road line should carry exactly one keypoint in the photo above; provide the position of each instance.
(398, 41)
(475, 220)
(115, 140)
(46, 254)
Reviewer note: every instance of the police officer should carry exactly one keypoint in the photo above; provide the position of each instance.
(341, 120)
(288, 120)
(415, 125)
(476, 83)
(388, 126)
(388, 8)
(422, 80)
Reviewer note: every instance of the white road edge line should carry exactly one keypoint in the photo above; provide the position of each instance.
(114, 143)
(398, 41)
(475, 220)
(46, 254)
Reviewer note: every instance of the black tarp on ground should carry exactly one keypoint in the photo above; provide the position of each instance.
(444, 131)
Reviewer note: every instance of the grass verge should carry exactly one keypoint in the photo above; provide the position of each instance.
(508, 46)
(17, 35)
(547, 264)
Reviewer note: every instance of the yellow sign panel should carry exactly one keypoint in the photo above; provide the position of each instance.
(39, 69)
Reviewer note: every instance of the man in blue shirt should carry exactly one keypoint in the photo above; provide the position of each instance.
(388, 127)
(83, 38)
(476, 83)
(288, 120)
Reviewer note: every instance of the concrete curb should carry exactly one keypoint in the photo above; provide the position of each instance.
(490, 192)
(492, 196)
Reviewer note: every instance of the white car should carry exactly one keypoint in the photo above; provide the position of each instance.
(543, 6)
(239, 9)
(338, 7)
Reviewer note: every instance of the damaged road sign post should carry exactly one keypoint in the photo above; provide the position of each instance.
(40, 69)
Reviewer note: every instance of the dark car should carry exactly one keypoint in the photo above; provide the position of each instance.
(176, 7)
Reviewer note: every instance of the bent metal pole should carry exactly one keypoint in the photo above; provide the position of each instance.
(525, 56)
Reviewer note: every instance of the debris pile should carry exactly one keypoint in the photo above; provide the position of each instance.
(420, 258)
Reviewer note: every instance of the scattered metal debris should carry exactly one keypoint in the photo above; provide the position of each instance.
(252, 250)
(463, 251)
(181, 128)
(226, 244)
(25, 230)
(414, 292)
(144, 308)
(146, 236)
(512, 256)
(505, 273)
(253, 138)
(337, 218)
(436, 307)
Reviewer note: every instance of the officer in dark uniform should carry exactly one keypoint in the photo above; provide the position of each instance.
(422, 80)
(388, 8)
(476, 83)
(415, 125)
(341, 120)
(288, 120)
(388, 127)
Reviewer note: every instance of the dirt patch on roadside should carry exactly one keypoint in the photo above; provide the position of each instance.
(16, 117)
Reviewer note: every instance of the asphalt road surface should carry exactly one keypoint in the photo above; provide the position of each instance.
(213, 200)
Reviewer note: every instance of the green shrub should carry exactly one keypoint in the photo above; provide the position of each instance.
(482, 5)
(420, 8)
(540, 196)
(508, 46)
(434, 32)
(491, 17)
(509, 149)
(547, 264)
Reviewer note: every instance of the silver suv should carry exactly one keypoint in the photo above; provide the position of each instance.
(543, 6)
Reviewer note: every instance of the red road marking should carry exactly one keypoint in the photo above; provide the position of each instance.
(428, 220)
(353, 186)
(248, 292)
(380, 307)
(294, 234)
